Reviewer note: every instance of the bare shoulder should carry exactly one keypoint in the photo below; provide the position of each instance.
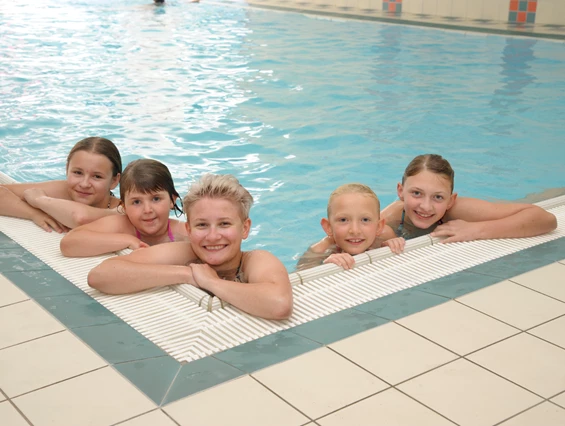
(393, 211)
(262, 265)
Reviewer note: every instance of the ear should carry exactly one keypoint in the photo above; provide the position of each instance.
(400, 191)
(115, 181)
(380, 226)
(326, 227)
(452, 200)
(187, 226)
(246, 228)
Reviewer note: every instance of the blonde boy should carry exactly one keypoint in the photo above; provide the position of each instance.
(353, 226)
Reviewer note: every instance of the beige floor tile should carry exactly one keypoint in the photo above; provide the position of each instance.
(514, 304)
(528, 361)
(552, 331)
(559, 399)
(9, 416)
(392, 353)
(468, 394)
(25, 321)
(391, 407)
(62, 356)
(10, 293)
(154, 418)
(243, 401)
(546, 414)
(319, 382)
(458, 327)
(548, 280)
(102, 397)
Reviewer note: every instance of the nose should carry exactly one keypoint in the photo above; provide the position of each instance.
(354, 228)
(147, 207)
(213, 234)
(85, 181)
(425, 204)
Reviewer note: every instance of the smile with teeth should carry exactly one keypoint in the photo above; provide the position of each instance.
(424, 216)
(355, 241)
(215, 248)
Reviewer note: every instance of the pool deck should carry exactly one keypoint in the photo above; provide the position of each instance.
(484, 346)
(451, 23)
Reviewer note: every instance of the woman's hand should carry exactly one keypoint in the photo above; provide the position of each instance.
(201, 274)
(396, 245)
(345, 260)
(458, 230)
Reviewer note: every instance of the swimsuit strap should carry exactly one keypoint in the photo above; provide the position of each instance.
(171, 236)
(400, 229)
(238, 277)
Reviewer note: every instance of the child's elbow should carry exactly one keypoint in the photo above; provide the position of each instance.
(96, 280)
(80, 218)
(66, 246)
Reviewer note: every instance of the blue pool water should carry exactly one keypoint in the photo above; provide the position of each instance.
(292, 105)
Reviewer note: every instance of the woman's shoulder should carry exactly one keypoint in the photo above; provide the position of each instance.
(393, 211)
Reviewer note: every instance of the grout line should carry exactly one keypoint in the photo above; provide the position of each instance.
(169, 416)
(166, 393)
(9, 400)
(505, 378)
(61, 381)
(281, 398)
(134, 417)
(34, 339)
(16, 303)
(354, 402)
(429, 408)
(487, 315)
(535, 290)
(517, 414)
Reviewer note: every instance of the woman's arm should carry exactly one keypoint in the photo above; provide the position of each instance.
(70, 213)
(268, 293)
(105, 235)
(156, 266)
(474, 219)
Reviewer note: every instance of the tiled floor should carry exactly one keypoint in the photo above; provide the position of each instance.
(480, 347)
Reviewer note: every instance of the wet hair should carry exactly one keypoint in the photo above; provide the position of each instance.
(353, 188)
(432, 162)
(102, 146)
(147, 176)
(219, 187)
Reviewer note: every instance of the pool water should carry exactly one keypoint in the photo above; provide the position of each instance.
(292, 105)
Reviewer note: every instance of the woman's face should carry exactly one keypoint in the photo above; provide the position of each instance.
(216, 230)
(90, 180)
(427, 197)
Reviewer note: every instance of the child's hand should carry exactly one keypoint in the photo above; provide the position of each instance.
(137, 244)
(457, 230)
(396, 245)
(345, 260)
(47, 223)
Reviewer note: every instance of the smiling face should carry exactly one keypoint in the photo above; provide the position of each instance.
(354, 222)
(427, 197)
(89, 178)
(216, 229)
(148, 212)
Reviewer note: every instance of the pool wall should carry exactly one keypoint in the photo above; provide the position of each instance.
(546, 12)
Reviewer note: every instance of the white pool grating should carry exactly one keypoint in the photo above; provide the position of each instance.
(187, 332)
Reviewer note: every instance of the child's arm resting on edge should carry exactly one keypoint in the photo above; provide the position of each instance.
(105, 235)
(268, 294)
(157, 266)
(473, 219)
(69, 213)
(12, 205)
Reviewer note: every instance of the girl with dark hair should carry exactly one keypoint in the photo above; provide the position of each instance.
(147, 195)
(428, 205)
(93, 169)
